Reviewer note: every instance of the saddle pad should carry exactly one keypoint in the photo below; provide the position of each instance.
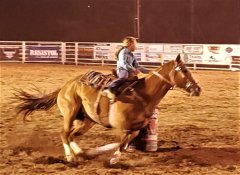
(95, 79)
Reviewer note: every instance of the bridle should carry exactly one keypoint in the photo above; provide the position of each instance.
(179, 67)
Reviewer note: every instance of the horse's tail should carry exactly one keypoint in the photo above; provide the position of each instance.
(29, 103)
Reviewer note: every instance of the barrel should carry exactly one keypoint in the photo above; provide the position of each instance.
(148, 136)
(151, 137)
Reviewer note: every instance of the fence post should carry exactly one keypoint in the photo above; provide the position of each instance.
(23, 52)
(76, 53)
(102, 61)
(63, 49)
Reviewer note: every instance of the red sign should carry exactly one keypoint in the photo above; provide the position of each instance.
(9, 54)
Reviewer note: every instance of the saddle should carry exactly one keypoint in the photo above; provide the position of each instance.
(96, 79)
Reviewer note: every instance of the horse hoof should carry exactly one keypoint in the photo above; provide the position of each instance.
(114, 161)
(70, 159)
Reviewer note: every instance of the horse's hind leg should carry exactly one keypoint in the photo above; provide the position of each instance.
(65, 137)
(69, 108)
(79, 128)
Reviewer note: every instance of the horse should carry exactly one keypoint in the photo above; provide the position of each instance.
(77, 103)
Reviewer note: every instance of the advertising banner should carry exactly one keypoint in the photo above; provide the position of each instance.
(236, 60)
(9, 54)
(43, 53)
(173, 48)
(155, 48)
(232, 54)
(171, 51)
(221, 54)
(193, 49)
(138, 55)
(153, 57)
(194, 53)
(169, 56)
(86, 52)
(153, 53)
(101, 51)
(193, 58)
(139, 52)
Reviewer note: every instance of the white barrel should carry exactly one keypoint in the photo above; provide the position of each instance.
(151, 137)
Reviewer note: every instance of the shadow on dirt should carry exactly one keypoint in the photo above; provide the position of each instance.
(202, 156)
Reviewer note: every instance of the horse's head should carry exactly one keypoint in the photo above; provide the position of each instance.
(182, 78)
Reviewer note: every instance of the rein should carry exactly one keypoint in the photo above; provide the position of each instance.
(163, 78)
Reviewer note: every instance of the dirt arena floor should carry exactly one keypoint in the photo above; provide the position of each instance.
(197, 135)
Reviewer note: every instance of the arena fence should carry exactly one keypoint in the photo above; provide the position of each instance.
(196, 56)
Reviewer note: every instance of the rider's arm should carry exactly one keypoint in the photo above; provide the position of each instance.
(140, 68)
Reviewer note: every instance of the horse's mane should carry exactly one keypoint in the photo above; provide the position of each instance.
(169, 64)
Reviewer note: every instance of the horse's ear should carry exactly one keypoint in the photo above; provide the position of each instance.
(178, 59)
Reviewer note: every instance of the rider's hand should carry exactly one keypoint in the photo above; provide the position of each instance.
(136, 72)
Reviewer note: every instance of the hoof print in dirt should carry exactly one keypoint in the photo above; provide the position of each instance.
(49, 160)
(118, 165)
(20, 149)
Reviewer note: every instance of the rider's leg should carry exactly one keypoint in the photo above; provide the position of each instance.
(112, 88)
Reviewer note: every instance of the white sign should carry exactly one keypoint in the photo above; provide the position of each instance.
(153, 57)
(173, 48)
(140, 48)
(169, 56)
(192, 58)
(101, 51)
(154, 48)
(220, 54)
(193, 49)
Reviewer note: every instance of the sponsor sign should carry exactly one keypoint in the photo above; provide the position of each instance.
(139, 52)
(140, 48)
(235, 59)
(43, 53)
(9, 54)
(156, 48)
(193, 49)
(172, 48)
(138, 55)
(192, 58)
(232, 54)
(153, 57)
(101, 51)
(221, 54)
(169, 56)
(85, 52)
(153, 52)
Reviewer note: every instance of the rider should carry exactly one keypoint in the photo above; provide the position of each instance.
(127, 64)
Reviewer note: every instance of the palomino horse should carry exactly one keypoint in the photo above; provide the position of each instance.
(77, 104)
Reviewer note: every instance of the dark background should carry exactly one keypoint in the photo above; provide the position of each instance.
(161, 21)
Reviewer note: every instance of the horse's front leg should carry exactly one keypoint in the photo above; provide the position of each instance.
(126, 139)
